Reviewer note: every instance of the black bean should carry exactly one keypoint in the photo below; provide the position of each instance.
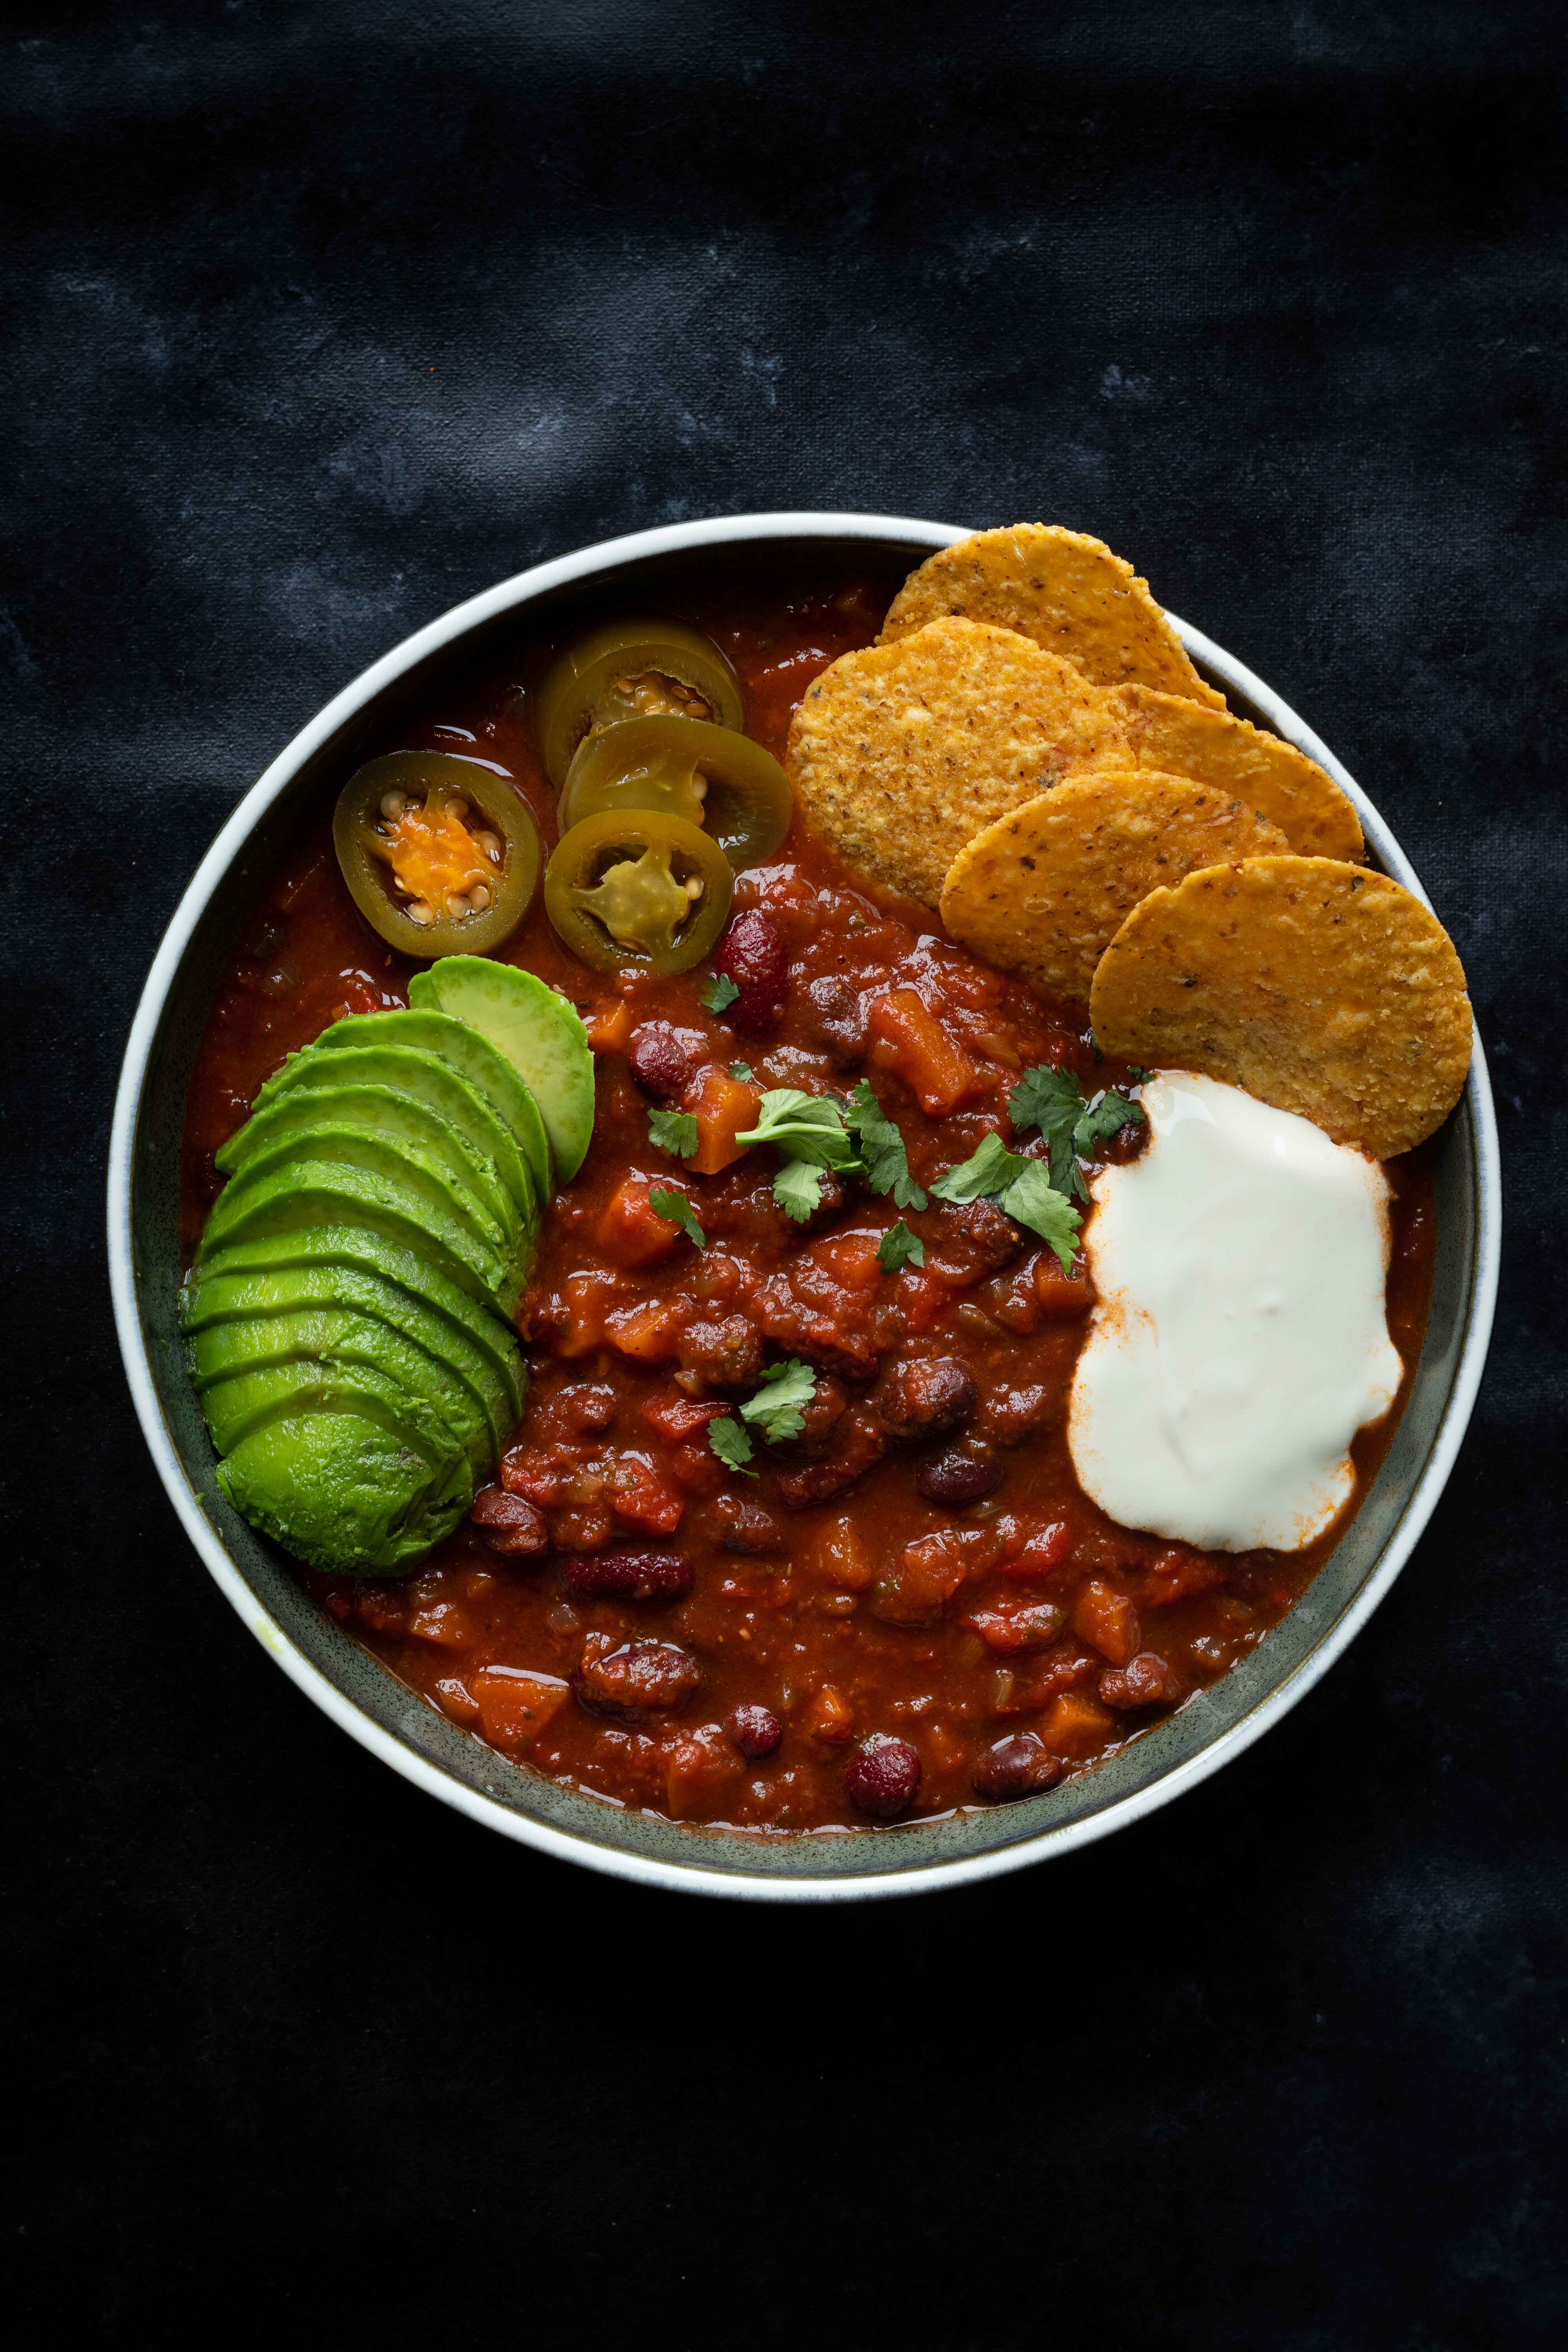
(1019, 1767)
(927, 1398)
(957, 1476)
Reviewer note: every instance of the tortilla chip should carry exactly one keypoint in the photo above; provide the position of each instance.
(1182, 738)
(1067, 592)
(1320, 987)
(1043, 891)
(899, 755)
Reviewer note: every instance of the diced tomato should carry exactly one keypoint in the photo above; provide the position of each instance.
(1062, 1294)
(639, 1497)
(1177, 1575)
(514, 1707)
(609, 1027)
(696, 1771)
(723, 1107)
(908, 1041)
(1016, 1628)
(630, 1231)
(1108, 1621)
(648, 1334)
(922, 1578)
(1036, 1552)
(850, 1259)
(923, 1298)
(695, 1467)
(677, 1418)
(1076, 1724)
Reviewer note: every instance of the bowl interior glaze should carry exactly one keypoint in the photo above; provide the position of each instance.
(398, 1725)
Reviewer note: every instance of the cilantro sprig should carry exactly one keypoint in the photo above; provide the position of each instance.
(882, 1148)
(677, 1210)
(777, 1412)
(814, 1133)
(1019, 1186)
(718, 991)
(1053, 1102)
(900, 1247)
(674, 1131)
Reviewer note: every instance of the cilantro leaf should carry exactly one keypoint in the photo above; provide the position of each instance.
(717, 992)
(1104, 1117)
(1035, 1202)
(882, 1149)
(900, 1247)
(797, 1188)
(674, 1131)
(985, 1171)
(742, 1070)
(803, 1127)
(730, 1443)
(676, 1210)
(1053, 1100)
(1137, 1074)
(777, 1408)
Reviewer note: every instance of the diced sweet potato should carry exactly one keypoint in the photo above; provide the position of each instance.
(515, 1707)
(723, 1107)
(609, 1027)
(1062, 1294)
(630, 1231)
(1076, 1724)
(587, 1299)
(839, 1557)
(1108, 1621)
(830, 1718)
(648, 1334)
(907, 1040)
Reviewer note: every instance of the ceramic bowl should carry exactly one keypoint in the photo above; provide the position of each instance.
(1213, 1729)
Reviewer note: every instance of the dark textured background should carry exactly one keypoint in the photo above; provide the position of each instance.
(320, 318)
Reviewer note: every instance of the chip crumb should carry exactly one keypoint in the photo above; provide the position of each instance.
(1044, 891)
(1320, 987)
(1066, 591)
(899, 755)
(1182, 738)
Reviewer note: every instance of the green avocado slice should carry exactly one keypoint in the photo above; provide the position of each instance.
(318, 1343)
(223, 1328)
(422, 1078)
(344, 1493)
(472, 1056)
(391, 1156)
(388, 1113)
(274, 1262)
(247, 1400)
(539, 1032)
(320, 1191)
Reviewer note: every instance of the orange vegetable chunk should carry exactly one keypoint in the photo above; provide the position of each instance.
(514, 1707)
(630, 1231)
(1074, 1724)
(723, 1107)
(908, 1041)
(1107, 1621)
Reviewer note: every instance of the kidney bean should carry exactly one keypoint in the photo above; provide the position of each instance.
(927, 1398)
(509, 1524)
(1145, 1680)
(638, 1676)
(753, 954)
(957, 1476)
(747, 1527)
(755, 1731)
(625, 1574)
(882, 1776)
(1019, 1767)
(658, 1059)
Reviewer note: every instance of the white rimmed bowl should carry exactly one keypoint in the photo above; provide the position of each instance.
(389, 1720)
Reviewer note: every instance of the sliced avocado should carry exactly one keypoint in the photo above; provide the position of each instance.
(344, 1493)
(274, 1261)
(319, 1191)
(386, 1155)
(386, 1111)
(471, 1055)
(422, 1078)
(541, 1034)
(326, 1340)
(226, 1303)
(247, 1400)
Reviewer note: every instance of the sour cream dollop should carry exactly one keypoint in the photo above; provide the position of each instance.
(1241, 1338)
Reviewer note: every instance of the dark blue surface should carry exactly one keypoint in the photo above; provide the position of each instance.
(323, 317)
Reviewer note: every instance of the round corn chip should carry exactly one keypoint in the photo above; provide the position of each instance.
(1182, 738)
(1043, 892)
(1067, 591)
(1320, 987)
(899, 753)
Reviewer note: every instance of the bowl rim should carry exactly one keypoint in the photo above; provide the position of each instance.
(523, 588)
